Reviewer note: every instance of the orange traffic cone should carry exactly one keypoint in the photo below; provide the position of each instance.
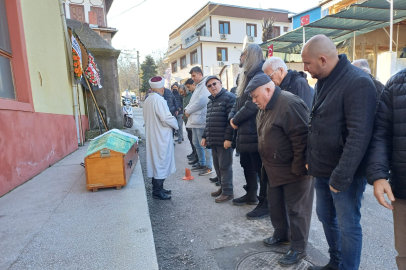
(188, 175)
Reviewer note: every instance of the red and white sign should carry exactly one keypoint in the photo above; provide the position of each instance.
(304, 20)
(270, 50)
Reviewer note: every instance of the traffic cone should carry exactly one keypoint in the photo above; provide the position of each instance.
(188, 175)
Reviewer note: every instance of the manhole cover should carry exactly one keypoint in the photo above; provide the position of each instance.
(268, 260)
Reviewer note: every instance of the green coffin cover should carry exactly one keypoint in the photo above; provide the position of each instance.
(113, 141)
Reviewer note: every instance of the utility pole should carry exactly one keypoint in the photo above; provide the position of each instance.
(139, 68)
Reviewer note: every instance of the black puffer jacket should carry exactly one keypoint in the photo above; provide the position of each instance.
(296, 83)
(179, 101)
(170, 100)
(244, 113)
(218, 128)
(387, 149)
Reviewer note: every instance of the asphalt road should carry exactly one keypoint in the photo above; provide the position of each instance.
(193, 232)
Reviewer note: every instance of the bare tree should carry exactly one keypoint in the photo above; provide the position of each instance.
(127, 72)
(159, 56)
(267, 28)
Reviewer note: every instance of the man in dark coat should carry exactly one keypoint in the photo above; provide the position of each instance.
(388, 153)
(218, 135)
(363, 64)
(179, 108)
(282, 136)
(340, 128)
(171, 101)
(289, 80)
(242, 118)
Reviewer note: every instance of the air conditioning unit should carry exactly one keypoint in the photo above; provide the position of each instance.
(223, 36)
(251, 39)
(221, 64)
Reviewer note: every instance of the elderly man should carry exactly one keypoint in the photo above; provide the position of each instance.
(218, 135)
(159, 123)
(242, 119)
(282, 135)
(340, 129)
(388, 153)
(289, 80)
(363, 64)
(196, 112)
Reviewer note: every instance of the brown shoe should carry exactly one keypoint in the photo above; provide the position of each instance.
(216, 193)
(223, 198)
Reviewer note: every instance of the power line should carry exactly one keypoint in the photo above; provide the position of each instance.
(127, 10)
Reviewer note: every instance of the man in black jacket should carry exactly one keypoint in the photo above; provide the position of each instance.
(218, 135)
(340, 128)
(289, 80)
(171, 101)
(179, 115)
(388, 153)
(242, 119)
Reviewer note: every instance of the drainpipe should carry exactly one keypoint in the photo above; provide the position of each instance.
(69, 48)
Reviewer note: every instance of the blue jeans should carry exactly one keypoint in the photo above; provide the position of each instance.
(204, 154)
(340, 215)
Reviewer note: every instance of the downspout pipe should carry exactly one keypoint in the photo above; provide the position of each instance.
(70, 56)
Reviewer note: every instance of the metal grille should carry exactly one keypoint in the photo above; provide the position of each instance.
(268, 260)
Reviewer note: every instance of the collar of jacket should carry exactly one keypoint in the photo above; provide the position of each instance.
(274, 97)
(286, 81)
(255, 71)
(222, 91)
(153, 92)
(342, 63)
(202, 81)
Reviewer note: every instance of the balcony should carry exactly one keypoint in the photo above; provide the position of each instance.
(193, 39)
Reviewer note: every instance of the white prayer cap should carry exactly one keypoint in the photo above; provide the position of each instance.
(157, 82)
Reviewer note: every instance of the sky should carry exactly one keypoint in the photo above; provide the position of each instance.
(146, 27)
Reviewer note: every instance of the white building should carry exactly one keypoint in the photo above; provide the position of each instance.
(92, 12)
(213, 39)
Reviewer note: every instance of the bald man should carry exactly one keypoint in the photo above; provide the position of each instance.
(340, 128)
(282, 134)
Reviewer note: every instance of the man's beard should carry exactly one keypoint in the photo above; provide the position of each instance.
(241, 64)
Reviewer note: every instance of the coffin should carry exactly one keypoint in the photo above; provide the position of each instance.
(110, 160)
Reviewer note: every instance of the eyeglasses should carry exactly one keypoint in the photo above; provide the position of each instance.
(213, 84)
(270, 76)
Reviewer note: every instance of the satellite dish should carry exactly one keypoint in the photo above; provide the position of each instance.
(245, 43)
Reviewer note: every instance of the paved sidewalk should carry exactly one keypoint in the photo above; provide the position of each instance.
(54, 222)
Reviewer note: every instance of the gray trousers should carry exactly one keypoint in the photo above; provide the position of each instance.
(290, 208)
(399, 222)
(223, 165)
(180, 124)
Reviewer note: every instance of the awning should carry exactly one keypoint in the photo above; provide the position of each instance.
(356, 19)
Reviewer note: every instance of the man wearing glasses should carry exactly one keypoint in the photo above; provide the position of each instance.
(289, 80)
(218, 135)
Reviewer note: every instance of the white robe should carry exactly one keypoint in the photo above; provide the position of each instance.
(159, 137)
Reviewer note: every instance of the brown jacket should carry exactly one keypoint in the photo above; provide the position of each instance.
(282, 138)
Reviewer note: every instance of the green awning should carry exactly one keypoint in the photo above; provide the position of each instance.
(358, 18)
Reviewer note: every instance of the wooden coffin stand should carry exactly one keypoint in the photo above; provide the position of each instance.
(110, 160)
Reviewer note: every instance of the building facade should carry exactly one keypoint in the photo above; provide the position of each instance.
(92, 12)
(306, 17)
(37, 121)
(214, 36)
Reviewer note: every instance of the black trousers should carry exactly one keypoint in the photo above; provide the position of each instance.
(190, 137)
(157, 186)
(252, 164)
(290, 208)
(223, 164)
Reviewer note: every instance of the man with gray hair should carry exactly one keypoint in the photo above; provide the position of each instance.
(289, 80)
(363, 64)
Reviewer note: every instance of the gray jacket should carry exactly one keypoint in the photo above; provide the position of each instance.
(197, 107)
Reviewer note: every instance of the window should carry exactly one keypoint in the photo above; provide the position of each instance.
(183, 62)
(222, 54)
(6, 74)
(174, 67)
(224, 27)
(193, 57)
(77, 12)
(285, 29)
(100, 16)
(276, 31)
(202, 31)
(251, 30)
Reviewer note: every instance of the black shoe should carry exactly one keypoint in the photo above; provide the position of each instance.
(161, 196)
(206, 171)
(198, 168)
(218, 183)
(214, 179)
(271, 242)
(326, 267)
(192, 158)
(261, 211)
(195, 165)
(249, 198)
(167, 191)
(193, 162)
(190, 155)
(292, 257)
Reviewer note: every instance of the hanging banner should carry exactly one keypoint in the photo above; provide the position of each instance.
(168, 74)
(77, 58)
(270, 50)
